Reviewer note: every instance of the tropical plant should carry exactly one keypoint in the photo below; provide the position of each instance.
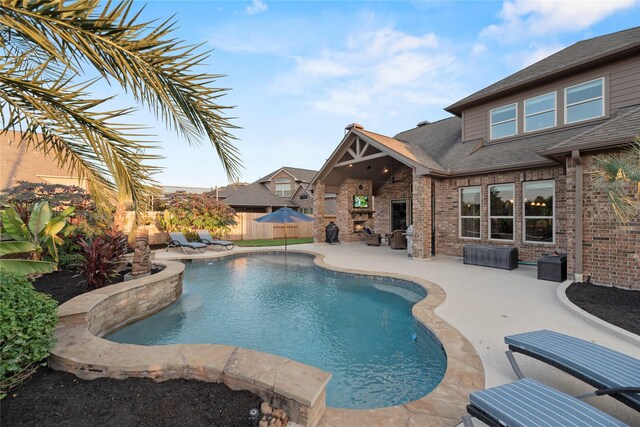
(41, 230)
(187, 212)
(618, 175)
(102, 256)
(49, 51)
(27, 324)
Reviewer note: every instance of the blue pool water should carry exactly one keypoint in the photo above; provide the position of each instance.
(358, 328)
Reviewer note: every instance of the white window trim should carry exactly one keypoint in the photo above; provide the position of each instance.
(288, 182)
(491, 124)
(554, 109)
(553, 216)
(460, 217)
(566, 107)
(513, 216)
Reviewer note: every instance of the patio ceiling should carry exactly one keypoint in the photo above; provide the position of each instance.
(379, 170)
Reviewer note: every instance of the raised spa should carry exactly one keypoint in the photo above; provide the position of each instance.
(359, 328)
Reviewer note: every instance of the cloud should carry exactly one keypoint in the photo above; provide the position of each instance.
(478, 49)
(374, 73)
(538, 54)
(256, 6)
(525, 19)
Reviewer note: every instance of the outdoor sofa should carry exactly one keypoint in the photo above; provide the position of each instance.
(371, 238)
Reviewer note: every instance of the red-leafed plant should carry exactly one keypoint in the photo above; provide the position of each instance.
(102, 256)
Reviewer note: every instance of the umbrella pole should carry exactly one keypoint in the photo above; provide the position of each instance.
(285, 242)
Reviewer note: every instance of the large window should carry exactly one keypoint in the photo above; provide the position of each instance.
(540, 112)
(501, 211)
(283, 187)
(584, 101)
(503, 121)
(306, 211)
(470, 212)
(538, 211)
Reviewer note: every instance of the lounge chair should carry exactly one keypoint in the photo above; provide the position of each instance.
(611, 372)
(526, 402)
(371, 238)
(206, 238)
(177, 239)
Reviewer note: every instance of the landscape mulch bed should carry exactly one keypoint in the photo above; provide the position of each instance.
(620, 307)
(59, 398)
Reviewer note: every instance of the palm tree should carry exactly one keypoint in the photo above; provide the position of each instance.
(48, 51)
(615, 175)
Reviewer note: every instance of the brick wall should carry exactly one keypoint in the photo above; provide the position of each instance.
(400, 189)
(611, 250)
(448, 241)
(319, 212)
(422, 190)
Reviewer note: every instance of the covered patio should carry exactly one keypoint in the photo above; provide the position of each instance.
(379, 184)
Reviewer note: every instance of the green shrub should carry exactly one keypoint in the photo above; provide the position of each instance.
(27, 325)
(71, 262)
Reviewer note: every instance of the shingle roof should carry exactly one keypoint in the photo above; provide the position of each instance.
(623, 126)
(570, 58)
(256, 194)
(302, 175)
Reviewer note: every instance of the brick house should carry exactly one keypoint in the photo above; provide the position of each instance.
(513, 166)
(283, 187)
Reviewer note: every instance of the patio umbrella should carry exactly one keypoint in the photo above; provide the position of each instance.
(284, 216)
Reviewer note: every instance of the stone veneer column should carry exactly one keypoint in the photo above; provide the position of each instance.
(318, 212)
(422, 216)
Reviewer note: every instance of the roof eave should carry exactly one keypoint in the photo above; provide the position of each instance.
(626, 51)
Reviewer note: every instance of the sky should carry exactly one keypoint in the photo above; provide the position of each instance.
(299, 72)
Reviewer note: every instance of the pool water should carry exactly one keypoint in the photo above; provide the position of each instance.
(358, 328)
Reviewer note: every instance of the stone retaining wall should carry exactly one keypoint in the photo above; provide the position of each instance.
(297, 388)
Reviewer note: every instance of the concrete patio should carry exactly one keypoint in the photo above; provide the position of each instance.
(485, 305)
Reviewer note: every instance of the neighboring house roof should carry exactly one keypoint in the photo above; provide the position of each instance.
(168, 189)
(298, 174)
(578, 55)
(258, 194)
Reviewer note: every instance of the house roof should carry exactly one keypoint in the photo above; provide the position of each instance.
(581, 54)
(256, 194)
(623, 126)
(301, 175)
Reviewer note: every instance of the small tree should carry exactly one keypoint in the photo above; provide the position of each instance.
(617, 175)
(191, 212)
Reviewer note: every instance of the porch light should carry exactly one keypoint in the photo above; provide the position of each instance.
(350, 165)
(386, 170)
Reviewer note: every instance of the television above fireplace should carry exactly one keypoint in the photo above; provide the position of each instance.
(360, 201)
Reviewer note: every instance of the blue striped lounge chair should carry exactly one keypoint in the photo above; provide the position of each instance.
(527, 403)
(611, 372)
(177, 239)
(206, 238)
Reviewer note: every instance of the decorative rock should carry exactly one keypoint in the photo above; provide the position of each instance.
(279, 413)
(273, 421)
(278, 423)
(265, 408)
(263, 423)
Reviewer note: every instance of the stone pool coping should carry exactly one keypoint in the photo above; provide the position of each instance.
(298, 387)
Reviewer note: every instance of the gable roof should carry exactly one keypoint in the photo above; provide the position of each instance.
(298, 174)
(571, 59)
(257, 194)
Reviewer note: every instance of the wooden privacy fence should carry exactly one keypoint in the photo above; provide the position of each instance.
(245, 229)
(248, 229)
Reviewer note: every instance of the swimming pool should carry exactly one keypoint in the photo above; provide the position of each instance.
(359, 328)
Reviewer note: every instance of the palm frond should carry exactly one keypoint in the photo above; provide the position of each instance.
(157, 70)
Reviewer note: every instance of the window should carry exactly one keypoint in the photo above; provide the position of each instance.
(470, 212)
(538, 211)
(306, 211)
(304, 196)
(501, 211)
(584, 101)
(503, 121)
(540, 112)
(283, 187)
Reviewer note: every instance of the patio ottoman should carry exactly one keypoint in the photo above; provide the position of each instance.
(553, 268)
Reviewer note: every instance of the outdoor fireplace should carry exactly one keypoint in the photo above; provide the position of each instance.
(358, 226)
